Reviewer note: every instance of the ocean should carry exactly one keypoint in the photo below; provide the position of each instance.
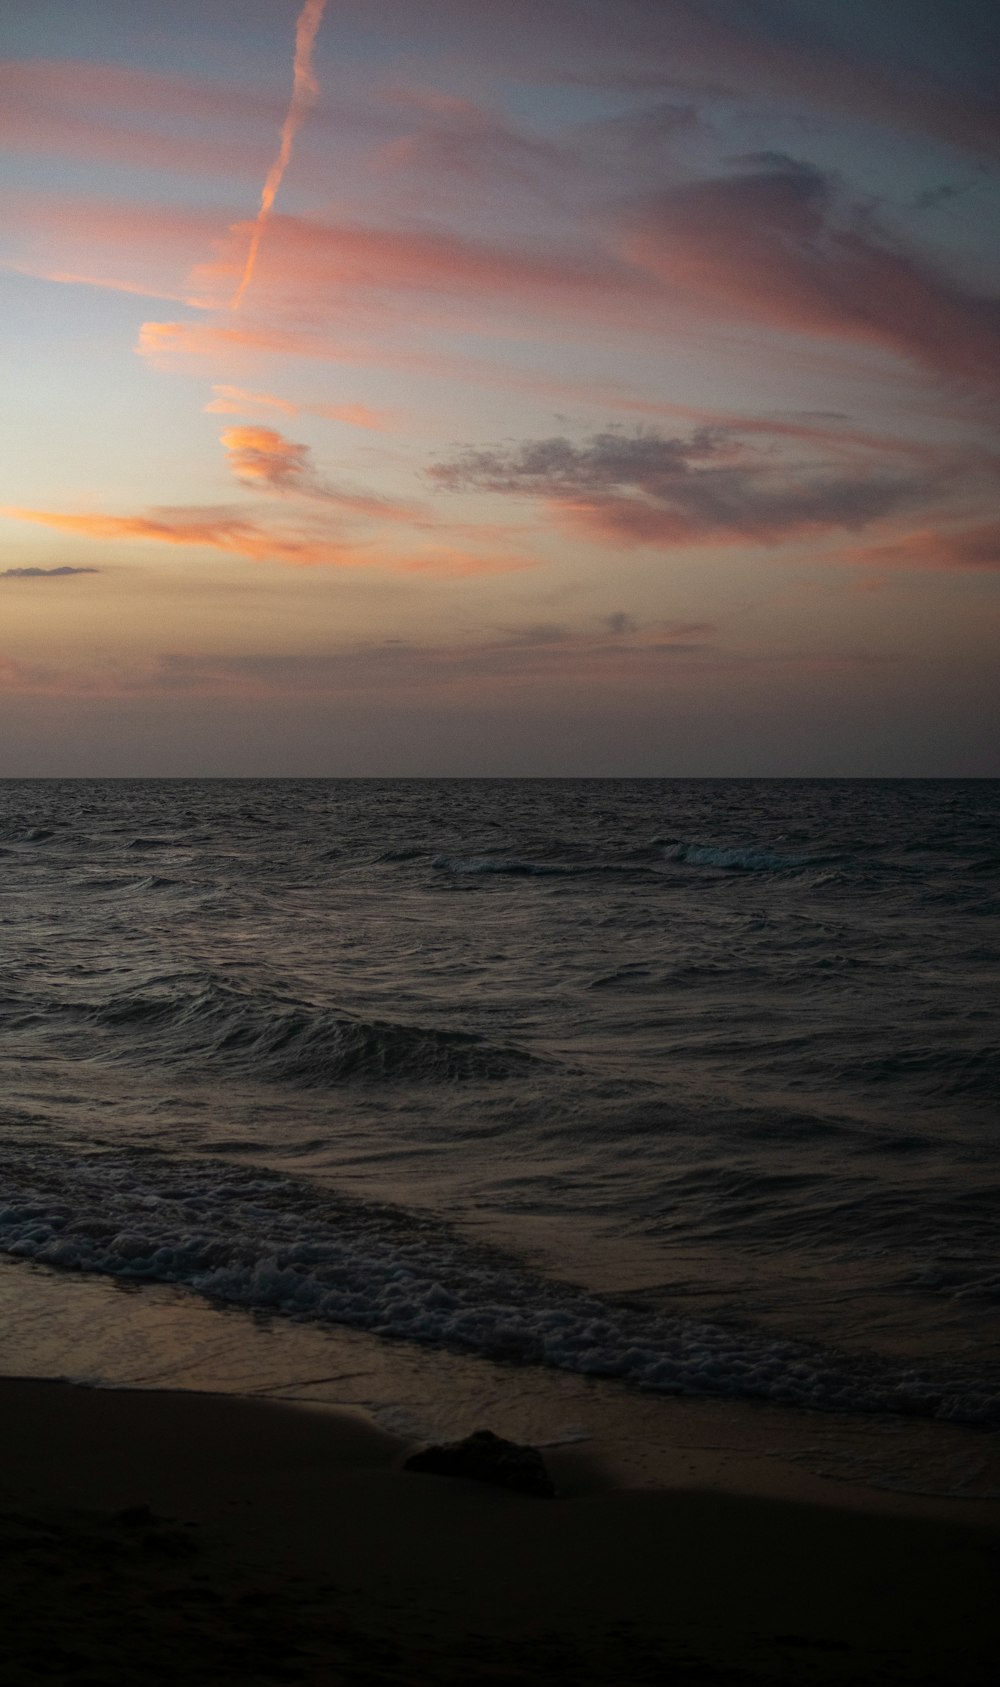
(689, 1087)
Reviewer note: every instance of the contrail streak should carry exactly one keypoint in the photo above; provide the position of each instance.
(305, 88)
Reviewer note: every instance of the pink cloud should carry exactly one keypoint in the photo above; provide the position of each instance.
(168, 344)
(237, 401)
(91, 241)
(348, 268)
(106, 283)
(113, 114)
(973, 547)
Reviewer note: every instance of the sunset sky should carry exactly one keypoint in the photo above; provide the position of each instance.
(531, 387)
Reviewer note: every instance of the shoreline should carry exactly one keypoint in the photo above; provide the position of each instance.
(166, 1536)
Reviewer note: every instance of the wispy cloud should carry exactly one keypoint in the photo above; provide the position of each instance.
(119, 244)
(222, 529)
(121, 114)
(540, 662)
(219, 530)
(355, 272)
(262, 458)
(237, 401)
(304, 93)
(43, 573)
(975, 546)
(167, 345)
(105, 283)
(445, 136)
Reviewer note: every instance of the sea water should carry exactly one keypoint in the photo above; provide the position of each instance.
(689, 1085)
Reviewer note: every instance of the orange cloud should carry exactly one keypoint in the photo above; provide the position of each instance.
(237, 401)
(222, 531)
(262, 456)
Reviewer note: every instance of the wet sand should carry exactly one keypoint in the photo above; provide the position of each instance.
(174, 1537)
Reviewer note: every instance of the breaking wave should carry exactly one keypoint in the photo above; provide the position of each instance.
(744, 858)
(261, 1240)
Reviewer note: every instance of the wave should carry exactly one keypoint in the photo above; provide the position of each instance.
(274, 1039)
(941, 1072)
(745, 858)
(506, 865)
(242, 1236)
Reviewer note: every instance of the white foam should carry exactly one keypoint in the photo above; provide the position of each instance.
(249, 1238)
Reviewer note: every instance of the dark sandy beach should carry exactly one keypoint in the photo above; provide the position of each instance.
(168, 1537)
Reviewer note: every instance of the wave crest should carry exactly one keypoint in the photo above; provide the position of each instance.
(745, 858)
(286, 1041)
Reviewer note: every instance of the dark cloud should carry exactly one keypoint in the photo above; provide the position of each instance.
(641, 135)
(43, 573)
(936, 76)
(777, 244)
(932, 197)
(711, 487)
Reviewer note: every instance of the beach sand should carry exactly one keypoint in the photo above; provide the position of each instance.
(158, 1537)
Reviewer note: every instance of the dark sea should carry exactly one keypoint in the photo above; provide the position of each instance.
(690, 1085)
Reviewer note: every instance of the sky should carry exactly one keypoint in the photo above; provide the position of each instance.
(547, 387)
